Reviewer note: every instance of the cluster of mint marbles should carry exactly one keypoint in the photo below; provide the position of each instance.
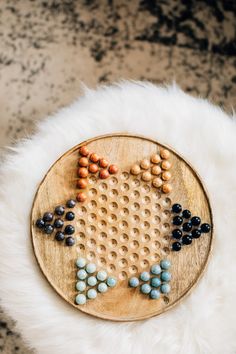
(155, 282)
(91, 282)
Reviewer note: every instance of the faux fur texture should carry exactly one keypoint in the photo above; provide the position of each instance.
(199, 131)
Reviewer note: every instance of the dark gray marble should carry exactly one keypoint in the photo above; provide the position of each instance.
(49, 47)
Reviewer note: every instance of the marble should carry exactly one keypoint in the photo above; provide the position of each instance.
(155, 294)
(80, 299)
(102, 287)
(155, 282)
(155, 269)
(145, 276)
(91, 294)
(165, 276)
(82, 274)
(133, 282)
(165, 288)
(165, 264)
(111, 282)
(145, 288)
(49, 47)
(92, 281)
(90, 268)
(101, 275)
(80, 285)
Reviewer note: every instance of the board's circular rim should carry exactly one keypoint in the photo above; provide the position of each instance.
(203, 269)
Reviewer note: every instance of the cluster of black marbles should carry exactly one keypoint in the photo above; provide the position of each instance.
(189, 227)
(54, 222)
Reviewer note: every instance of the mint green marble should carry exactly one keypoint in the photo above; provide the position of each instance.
(91, 268)
(145, 276)
(145, 288)
(133, 282)
(165, 264)
(155, 294)
(91, 294)
(165, 276)
(80, 285)
(82, 274)
(92, 281)
(80, 299)
(102, 287)
(155, 282)
(111, 282)
(101, 275)
(165, 288)
(155, 269)
(81, 262)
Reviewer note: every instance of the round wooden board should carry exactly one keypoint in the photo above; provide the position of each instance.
(124, 227)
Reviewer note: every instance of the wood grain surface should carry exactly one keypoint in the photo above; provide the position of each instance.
(124, 227)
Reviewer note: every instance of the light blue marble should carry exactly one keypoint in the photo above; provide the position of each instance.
(165, 288)
(145, 276)
(145, 288)
(165, 264)
(133, 282)
(82, 274)
(92, 281)
(91, 268)
(101, 275)
(155, 294)
(155, 282)
(165, 276)
(155, 269)
(80, 285)
(91, 294)
(81, 262)
(80, 299)
(102, 287)
(111, 282)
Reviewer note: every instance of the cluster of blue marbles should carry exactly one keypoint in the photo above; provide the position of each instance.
(90, 281)
(54, 222)
(155, 282)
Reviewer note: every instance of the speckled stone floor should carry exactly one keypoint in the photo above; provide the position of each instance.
(48, 47)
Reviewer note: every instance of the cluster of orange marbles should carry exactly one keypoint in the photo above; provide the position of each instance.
(91, 163)
(155, 170)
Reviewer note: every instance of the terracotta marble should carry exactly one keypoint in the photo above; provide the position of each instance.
(49, 48)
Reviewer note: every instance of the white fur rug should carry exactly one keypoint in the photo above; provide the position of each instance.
(205, 322)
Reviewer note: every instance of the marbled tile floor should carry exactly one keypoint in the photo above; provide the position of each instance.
(47, 48)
